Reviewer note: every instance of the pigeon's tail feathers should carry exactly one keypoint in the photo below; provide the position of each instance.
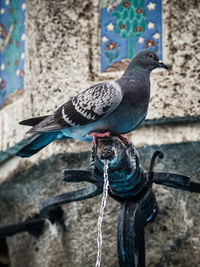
(49, 124)
(38, 142)
(33, 121)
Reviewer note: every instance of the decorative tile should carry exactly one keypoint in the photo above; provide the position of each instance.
(12, 39)
(128, 27)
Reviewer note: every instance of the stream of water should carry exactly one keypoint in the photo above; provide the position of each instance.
(101, 213)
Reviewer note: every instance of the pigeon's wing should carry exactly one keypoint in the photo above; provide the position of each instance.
(87, 107)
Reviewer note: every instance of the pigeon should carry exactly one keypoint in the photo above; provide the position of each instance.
(107, 108)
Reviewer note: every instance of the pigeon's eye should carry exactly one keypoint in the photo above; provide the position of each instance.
(150, 56)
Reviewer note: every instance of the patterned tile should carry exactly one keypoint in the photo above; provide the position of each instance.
(128, 27)
(12, 41)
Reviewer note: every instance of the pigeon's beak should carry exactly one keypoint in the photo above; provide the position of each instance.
(162, 65)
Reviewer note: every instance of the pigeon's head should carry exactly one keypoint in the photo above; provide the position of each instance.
(147, 59)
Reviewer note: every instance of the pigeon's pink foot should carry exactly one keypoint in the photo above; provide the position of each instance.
(124, 139)
(95, 135)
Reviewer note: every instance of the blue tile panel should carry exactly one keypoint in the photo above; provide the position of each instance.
(128, 27)
(12, 41)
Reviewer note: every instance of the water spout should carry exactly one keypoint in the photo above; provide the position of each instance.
(101, 213)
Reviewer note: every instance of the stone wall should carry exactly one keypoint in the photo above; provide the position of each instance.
(62, 59)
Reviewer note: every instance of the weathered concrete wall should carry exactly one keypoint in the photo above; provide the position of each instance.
(62, 59)
(173, 239)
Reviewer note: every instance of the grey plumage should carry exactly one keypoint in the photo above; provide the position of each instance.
(117, 106)
(88, 106)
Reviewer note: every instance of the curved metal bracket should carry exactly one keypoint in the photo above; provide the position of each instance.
(130, 235)
(33, 226)
(156, 154)
(53, 202)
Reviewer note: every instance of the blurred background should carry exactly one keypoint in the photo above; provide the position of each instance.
(52, 50)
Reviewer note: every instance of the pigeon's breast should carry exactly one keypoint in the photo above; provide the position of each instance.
(130, 113)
